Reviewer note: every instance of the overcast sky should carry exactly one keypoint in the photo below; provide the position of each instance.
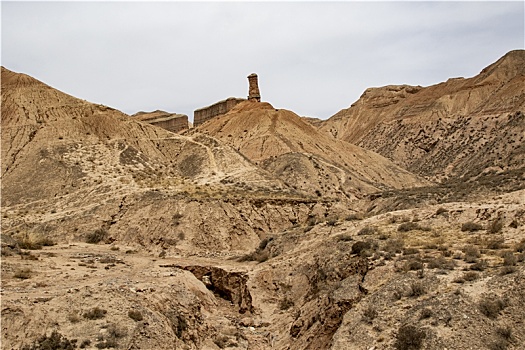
(313, 58)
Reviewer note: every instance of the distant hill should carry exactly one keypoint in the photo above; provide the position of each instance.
(461, 127)
(307, 159)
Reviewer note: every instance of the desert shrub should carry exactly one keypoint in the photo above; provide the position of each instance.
(312, 220)
(441, 263)
(470, 276)
(495, 226)
(34, 242)
(115, 332)
(360, 246)
(471, 253)
(23, 274)
(55, 341)
(409, 338)
(345, 238)
(85, 343)
(73, 317)
(178, 323)
(394, 245)
(368, 230)
(479, 266)
(425, 313)
(505, 270)
(95, 313)
(369, 314)
(331, 222)
(504, 332)
(135, 315)
(498, 344)
(471, 226)
(175, 219)
(410, 251)
(107, 344)
(491, 306)
(285, 304)
(408, 226)
(354, 217)
(96, 236)
(520, 247)
(417, 289)
(495, 243)
(509, 259)
(503, 338)
(222, 342)
(413, 265)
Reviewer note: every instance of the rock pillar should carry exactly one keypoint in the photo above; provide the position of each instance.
(253, 92)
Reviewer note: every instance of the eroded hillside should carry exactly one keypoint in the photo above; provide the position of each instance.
(258, 231)
(458, 128)
(307, 160)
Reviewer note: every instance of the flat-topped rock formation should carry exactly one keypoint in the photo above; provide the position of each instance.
(204, 114)
(173, 122)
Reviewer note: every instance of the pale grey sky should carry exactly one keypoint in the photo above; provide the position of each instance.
(313, 58)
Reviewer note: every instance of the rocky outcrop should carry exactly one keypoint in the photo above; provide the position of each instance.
(170, 121)
(229, 285)
(204, 114)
